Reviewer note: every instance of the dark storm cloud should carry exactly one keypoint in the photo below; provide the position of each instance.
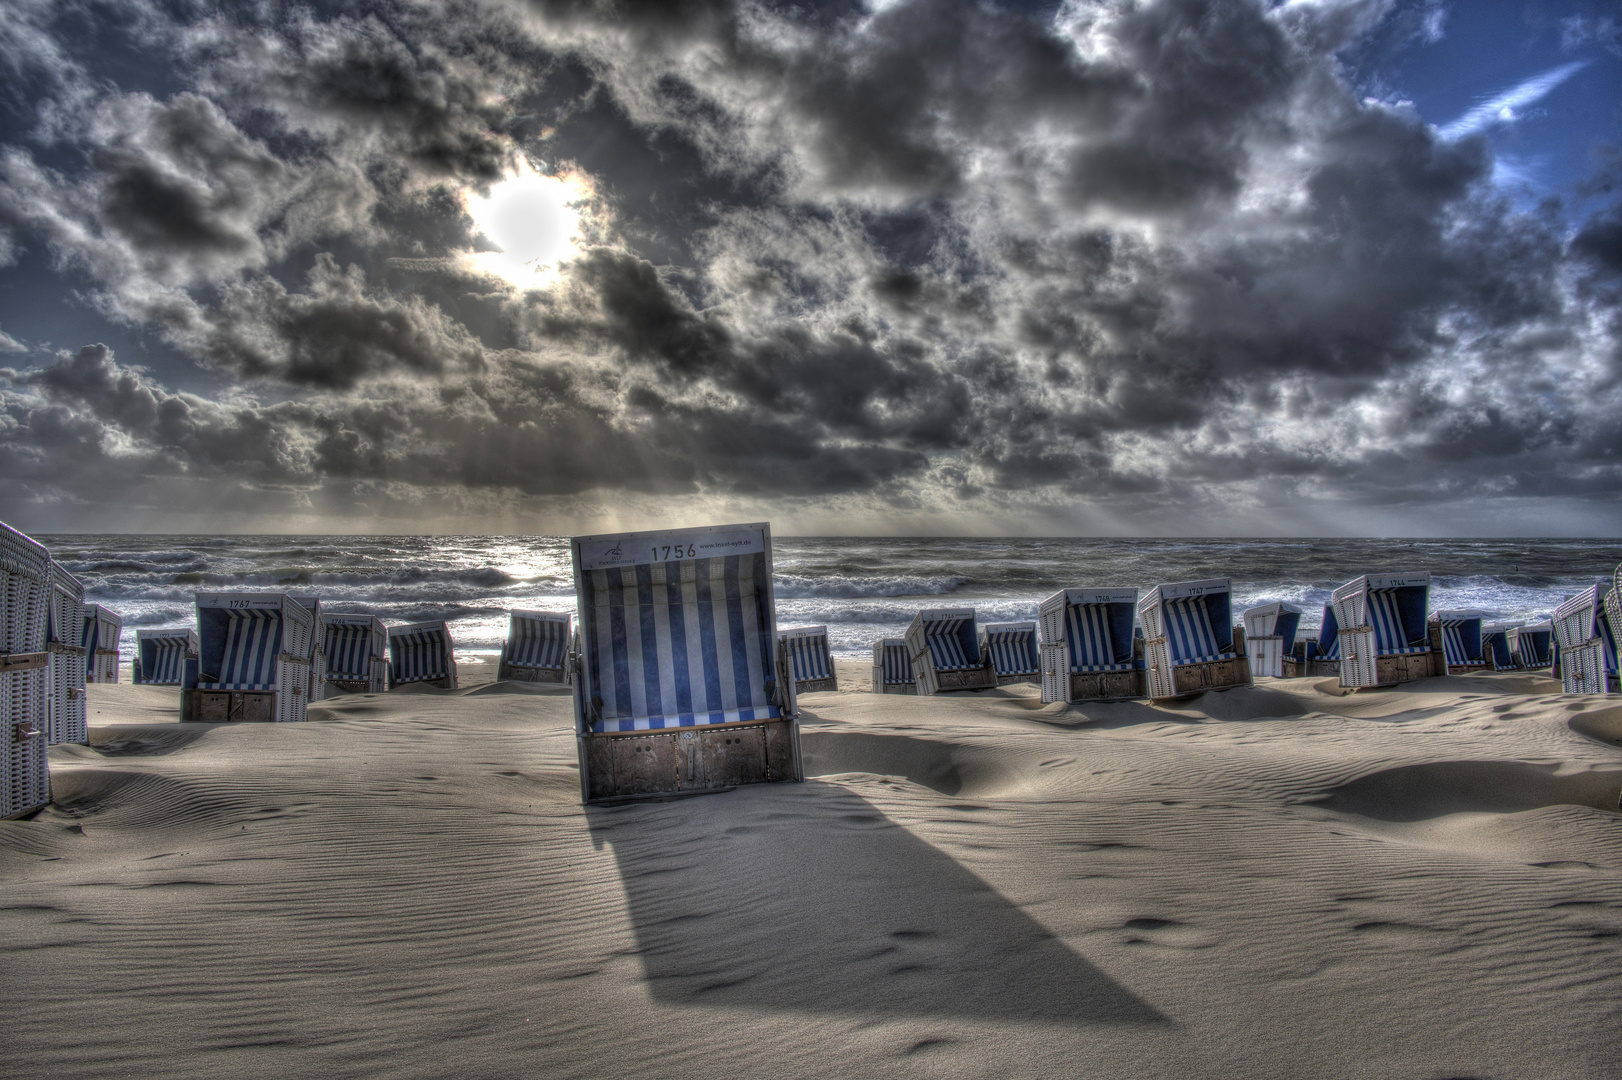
(937, 251)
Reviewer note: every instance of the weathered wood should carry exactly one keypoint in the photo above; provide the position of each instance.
(27, 661)
(1106, 685)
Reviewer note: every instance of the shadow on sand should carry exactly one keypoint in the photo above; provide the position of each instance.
(805, 897)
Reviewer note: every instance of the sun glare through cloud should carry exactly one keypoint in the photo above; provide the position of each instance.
(532, 218)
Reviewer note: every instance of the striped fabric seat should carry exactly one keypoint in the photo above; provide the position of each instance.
(420, 654)
(947, 647)
(252, 640)
(1328, 643)
(1013, 648)
(1453, 645)
(163, 658)
(809, 655)
(537, 639)
(1091, 642)
(349, 651)
(679, 644)
(1189, 633)
(1390, 638)
(894, 662)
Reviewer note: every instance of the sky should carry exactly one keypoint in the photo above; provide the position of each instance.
(1127, 267)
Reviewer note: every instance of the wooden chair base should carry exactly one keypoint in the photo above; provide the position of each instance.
(651, 764)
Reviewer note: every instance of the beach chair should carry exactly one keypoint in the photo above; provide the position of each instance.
(1088, 647)
(1458, 634)
(1587, 643)
(65, 671)
(809, 658)
(680, 685)
(1190, 639)
(1532, 646)
(945, 652)
(1383, 633)
(253, 659)
(1496, 647)
(892, 671)
(422, 653)
(354, 655)
(161, 655)
(102, 628)
(1012, 649)
(1270, 631)
(318, 647)
(25, 587)
(1315, 655)
(537, 647)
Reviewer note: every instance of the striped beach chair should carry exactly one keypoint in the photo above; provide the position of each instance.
(253, 659)
(682, 685)
(355, 655)
(102, 627)
(1460, 636)
(1190, 644)
(1587, 642)
(1270, 631)
(25, 587)
(422, 653)
(1089, 651)
(1316, 655)
(65, 673)
(318, 649)
(1011, 647)
(1533, 645)
(892, 671)
(161, 655)
(1384, 638)
(945, 652)
(809, 658)
(1497, 648)
(537, 646)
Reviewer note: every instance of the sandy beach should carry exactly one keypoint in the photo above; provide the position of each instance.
(1281, 881)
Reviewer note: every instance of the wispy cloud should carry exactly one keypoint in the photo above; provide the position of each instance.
(1501, 108)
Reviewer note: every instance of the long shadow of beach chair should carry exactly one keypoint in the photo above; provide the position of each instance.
(537, 646)
(1190, 642)
(422, 653)
(1088, 648)
(810, 658)
(102, 627)
(253, 659)
(1587, 642)
(1384, 638)
(1460, 635)
(1012, 649)
(681, 685)
(945, 652)
(161, 655)
(25, 585)
(65, 673)
(1270, 631)
(892, 670)
(354, 655)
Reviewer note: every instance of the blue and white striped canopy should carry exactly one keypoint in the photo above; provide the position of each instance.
(1013, 648)
(1328, 644)
(1495, 646)
(950, 636)
(1585, 613)
(163, 654)
(678, 644)
(808, 652)
(252, 640)
(1461, 637)
(1392, 637)
(1534, 645)
(420, 652)
(538, 639)
(891, 658)
(350, 647)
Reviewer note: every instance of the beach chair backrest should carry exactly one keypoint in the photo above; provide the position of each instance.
(1195, 618)
(1095, 625)
(1461, 637)
(102, 628)
(678, 629)
(538, 638)
(241, 635)
(1394, 606)
(163, 653)
(351, 643)
(1012, 648)
(65, 616)
(1532, 645)
(421, 652)
(1496, 648)
(25, 570)
(1582, 619)
(808, 652)
(949, 635)
(891, 662)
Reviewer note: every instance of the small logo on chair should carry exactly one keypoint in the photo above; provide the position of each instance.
(614, 553)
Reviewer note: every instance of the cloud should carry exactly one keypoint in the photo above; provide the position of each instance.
(1501, 107)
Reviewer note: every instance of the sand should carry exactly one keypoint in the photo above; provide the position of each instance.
(1273, 882)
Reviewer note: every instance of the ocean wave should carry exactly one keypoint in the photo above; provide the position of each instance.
(795, 587)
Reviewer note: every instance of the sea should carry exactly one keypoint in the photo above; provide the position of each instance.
(861, 588)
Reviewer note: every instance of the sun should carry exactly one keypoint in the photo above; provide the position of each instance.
(532, 219)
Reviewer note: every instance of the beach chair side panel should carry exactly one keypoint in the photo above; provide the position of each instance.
(25, 585)
(65, 674)
(101, 630)
(892, 669)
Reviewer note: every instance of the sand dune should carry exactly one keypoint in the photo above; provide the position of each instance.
(1281, 881)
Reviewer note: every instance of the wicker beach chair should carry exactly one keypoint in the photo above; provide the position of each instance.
(318, 648)
(681, 684)
(1587, 643)
(1496, 646)
(1460, 636)
(892, 670)
(1316, 655)
(1012, 649)
(161, 655)
(253, 659)
(1384, 638)
(1270, 631)
(1532, 646)
(65, 673)
(102, 627)
(810, 658)
(25, 587)
(1088, 649)
(945, 652)
(422, 653)
(1190, 641)
(537, 646)
(354, 655)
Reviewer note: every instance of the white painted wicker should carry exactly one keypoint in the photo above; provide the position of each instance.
(65, 673)
(25, 571)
